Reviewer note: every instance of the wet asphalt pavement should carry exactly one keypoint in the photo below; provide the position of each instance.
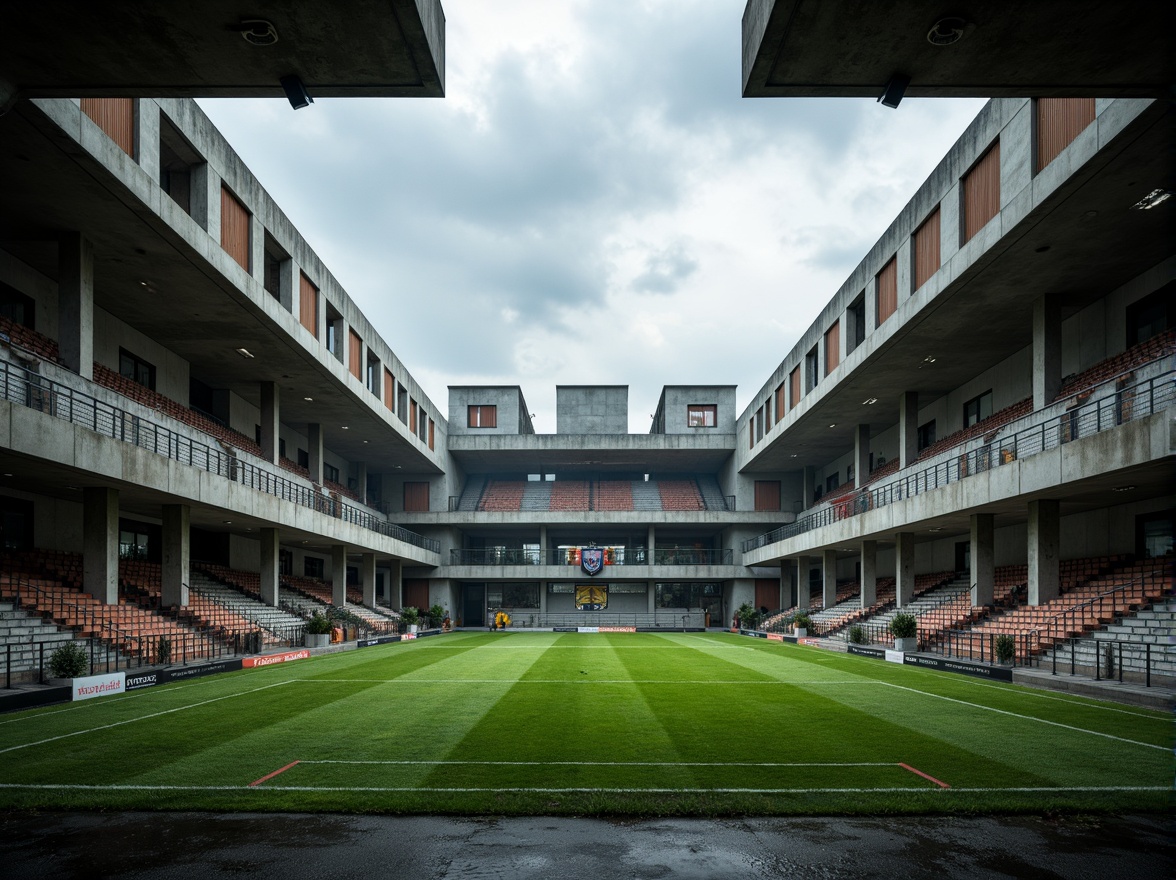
(154, 846)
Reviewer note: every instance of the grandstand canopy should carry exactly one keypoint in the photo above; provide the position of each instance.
(1047, 48)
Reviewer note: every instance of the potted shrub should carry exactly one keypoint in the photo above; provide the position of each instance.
(748, 616)
(68, 661)
(411, 618)
(436, 616)
(317, 632)
(801, 624)
(163, 651)
(857, 635)
(1006, 649)
(904, 627)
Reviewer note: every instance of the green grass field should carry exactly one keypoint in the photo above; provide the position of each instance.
(621, 724)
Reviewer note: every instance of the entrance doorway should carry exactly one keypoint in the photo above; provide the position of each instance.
(473, 605)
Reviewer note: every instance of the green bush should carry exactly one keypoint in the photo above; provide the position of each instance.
(68, 661)
(436, 616)
(319, 624)
(748, 616)
(904, 626)
(1109, 660)
(857, 635)
(802, 621)
(410, 615)
(1006, 648)
(163, 650)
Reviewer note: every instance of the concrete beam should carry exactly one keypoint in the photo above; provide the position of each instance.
(904, 568)
(367, 578)
(270, 420)
(803, 566)
(869, 573)
(270, 566)
(861, 455)
(1044, 540)
(396, 584)
(982, 554)
(176, 555)
(808, 487)
(75, 303)
(1047, 349)
(100, 543)
(361, 480)
(908, 428)
(829, 577)
(314, 439)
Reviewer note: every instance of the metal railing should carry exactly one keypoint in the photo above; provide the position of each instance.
(26, 388)
(668, 618)
(1137, 401)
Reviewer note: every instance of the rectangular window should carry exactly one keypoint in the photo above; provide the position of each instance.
(416, 497)
(751, 433)
(702, 415)
(926, 435)
(335, 339)
(1059, 121)
(116, 117)
(926, 244)
(432, 433)
(794, 387)
(402, 403)
(484, 416)
(759, 424)
(780, 402)
(422, 419)
(373, 374)
(330, 473)
(177, 158)
(136, 369)
(832, 482)
(303, 459)
(887, 291)
(978, 409)
(312, 567)
(832, 347)
(354, 352)
(389, 390)
(308, 304)
(767, 494)
(234, 228)
(274, 258)
(811, 373)
(855, 330)
(1152, 315)
(981, 192)
(17, 307)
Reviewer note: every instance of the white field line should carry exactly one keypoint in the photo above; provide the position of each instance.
(943, 792)
(1027, 717)
(725, 683)
(140, 718)
(610, 763)
(90, 704)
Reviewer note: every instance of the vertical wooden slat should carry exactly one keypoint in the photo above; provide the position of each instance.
(794, 387)
(767, 494)
(389, 390)
(234, 228)
(982, 192)
(780, 406)
(412, 416)
(416, 497)
(354, 353)
(116, 117)
(432, 425)
(887, 290)
(832, 347)
(308, 305)
(927, 249)
(1059, 121)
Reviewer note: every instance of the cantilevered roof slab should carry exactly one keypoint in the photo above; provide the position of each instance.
(127, 48)
(1046, 48)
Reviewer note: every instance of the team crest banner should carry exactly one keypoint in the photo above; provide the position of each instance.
(592, 560)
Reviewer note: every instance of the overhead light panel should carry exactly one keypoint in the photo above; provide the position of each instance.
(245, 353)
(892, 95)
(296, 92)
(1153, 198)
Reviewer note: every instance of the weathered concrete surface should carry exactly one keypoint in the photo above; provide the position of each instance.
(165, 845)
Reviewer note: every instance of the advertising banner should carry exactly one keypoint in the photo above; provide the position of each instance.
(99, 685)
(272, 659)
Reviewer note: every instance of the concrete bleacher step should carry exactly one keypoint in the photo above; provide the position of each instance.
(536, 495)
(712, 495)
(472, 493)
(645, 495)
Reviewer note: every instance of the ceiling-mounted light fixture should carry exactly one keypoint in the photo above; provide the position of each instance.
(245, 353)
(1153, 198)
(296, 92)
(947, 31)
(892, 95)
(258, 31)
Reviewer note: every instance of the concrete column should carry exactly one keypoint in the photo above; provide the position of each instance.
(367, 578)
(904, 568)
(808, 487)
(982, 558)
(176, 554)
(861, 455)
(314, 439)
(908, 428)
(205, 199)
(288, 283)
(870, 300)
(338, 575)
(257, 247)
(270, 420)
(1047, 350)
(75, 303)
(869, 573)
(147, 113)
(1044, 535)
(543, 557)
(651, 595)
(100, 543)
(396, 584)
(361, 481)
(651, 545)
(270, 566)
(829, 577)
(803, 567)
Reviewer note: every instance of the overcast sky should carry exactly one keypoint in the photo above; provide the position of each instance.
(592, 202)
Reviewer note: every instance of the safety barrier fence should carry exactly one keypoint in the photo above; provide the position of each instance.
(572, 556)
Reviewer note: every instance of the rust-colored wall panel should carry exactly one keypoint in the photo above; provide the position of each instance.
(767, 593)
(389, 389)
(927, 249)
(412, 416)
(354, 353)
(234, 228)
(887, 290)
(308, 305)
(982, 192)
(116, 117)
(767, 494)
(1059, 121)
(780, 405)
(432, 432)
(415, 592)
(416, 497)
(832, 347)
(794, 387)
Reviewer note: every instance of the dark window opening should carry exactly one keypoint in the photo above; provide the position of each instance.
(926, 435)
(177, 159)
(16, 524)
(1152, 315)
(303, 458)
(312, 567)
(16, 307)
(330, 473)
(855, 333)
(978, 409)
(135, 368)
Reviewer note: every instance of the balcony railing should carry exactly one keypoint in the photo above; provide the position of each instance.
(38, 392)
(1127, 404)
(628, 556)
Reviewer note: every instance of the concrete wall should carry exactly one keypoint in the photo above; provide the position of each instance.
(512, 414)
(676, 400)
(592, 409)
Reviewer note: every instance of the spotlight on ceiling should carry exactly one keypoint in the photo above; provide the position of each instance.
(1153, 198)
(947, 31)
(258, 31)
(296, 92)
(895, 89)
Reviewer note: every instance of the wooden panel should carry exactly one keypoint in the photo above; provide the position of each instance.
(832, 347)
(416, 497)
(794, 387)
(432, 426)
(234, 228)
(308, 305)
(415, 593)
(887, 290)
(389, 390)
(927, 249)
(982, 192)
(116, 117)
(767, 494)
(767, 593)
(354, 353)
(780, 401)
(1059, 121)
(412, 416)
